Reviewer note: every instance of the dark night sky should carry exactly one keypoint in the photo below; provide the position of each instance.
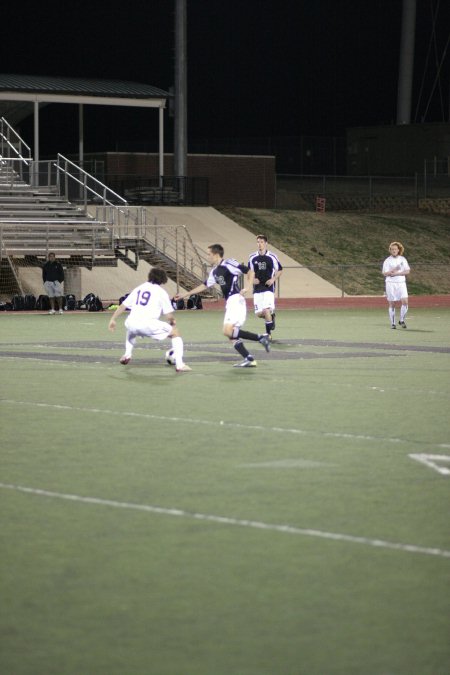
(255, 67)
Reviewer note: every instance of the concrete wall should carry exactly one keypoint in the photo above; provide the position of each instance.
(109, 283)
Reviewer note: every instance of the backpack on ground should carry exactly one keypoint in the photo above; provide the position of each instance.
(93, 303)
(18, 303)
(194, 302)
(178, 304)
(71, 302)
(43, 303)
(87, 298)
(29, 302)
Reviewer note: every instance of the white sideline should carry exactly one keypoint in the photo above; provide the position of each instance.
(205, 422)
(224, 520)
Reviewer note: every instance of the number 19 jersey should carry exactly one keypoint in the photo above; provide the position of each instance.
(147, 301)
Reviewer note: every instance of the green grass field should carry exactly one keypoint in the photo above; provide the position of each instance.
(226, 521)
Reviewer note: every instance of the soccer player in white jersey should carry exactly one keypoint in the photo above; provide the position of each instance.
(395, 270)
(265, 269)
(146, 304)
(226, 272)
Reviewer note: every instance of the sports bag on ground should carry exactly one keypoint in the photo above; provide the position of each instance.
(71, 302)
(29, 302)
(43, 303)
(178, 304)
(18, 303)
(194, 302)
(93, 303)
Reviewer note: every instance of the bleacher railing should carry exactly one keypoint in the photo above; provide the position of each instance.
(134, 227)
(11, 144)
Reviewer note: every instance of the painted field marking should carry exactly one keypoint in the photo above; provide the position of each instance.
(286, 464)
(434, 461)
(205, 422)
(225, 520)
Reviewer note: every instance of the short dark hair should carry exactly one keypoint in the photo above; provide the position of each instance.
(217, 249)
(157, 276)
(262, 236)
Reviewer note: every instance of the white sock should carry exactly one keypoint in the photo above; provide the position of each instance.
(178, 348)
(392, 314)
(403, 310)
(130, 341)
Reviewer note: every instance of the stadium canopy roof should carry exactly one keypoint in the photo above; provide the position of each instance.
(18, 91)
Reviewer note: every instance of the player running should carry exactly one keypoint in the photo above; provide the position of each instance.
(226, 272)
(265, 269)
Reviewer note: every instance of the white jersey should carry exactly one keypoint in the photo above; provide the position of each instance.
(147, 301)
(392, 263)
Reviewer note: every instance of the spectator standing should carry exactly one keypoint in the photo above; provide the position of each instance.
(53, 278)
(395, 270)
(265, 269)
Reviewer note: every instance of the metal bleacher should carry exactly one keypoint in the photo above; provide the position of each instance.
(54, 205)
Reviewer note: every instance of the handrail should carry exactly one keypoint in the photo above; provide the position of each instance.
(173, 242)
(83, 184)
(10, 131)
(120, 216)
(17, 169)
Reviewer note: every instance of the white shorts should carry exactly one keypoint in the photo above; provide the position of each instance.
(53, 288)
(154, 328)
(396, 292)
(235, 310)
(264, 300)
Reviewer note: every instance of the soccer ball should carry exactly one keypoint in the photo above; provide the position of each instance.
(170, 359)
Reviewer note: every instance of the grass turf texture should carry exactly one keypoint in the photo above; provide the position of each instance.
(318, 438)
(324, 241)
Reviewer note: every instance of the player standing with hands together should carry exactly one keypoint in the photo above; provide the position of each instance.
(395, 270)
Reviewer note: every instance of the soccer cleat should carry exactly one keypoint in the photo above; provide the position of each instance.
(393, 326)
(183, 369)
(61, 312)
(265, 341)
(51, 311)
(402, 324)
(246, 363)
(125, 360)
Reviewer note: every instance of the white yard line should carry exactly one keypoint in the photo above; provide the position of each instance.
(225, 520)
(206, 422)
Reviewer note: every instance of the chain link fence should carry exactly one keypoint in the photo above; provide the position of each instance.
(366, 279)
(356, 192)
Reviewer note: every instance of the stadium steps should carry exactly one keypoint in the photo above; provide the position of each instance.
(141, 249)
(37, 238)
(34, 220)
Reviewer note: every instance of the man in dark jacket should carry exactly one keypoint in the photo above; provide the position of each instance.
(53, 277)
